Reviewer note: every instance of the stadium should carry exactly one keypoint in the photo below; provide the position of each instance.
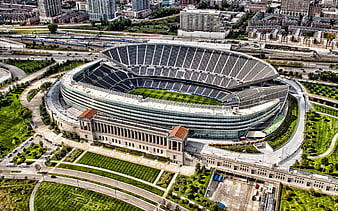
(109, 101)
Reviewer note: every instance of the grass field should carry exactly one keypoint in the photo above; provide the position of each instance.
(319, 131)
(14, 194)
(30, 66)
(298, 199)
(115, 177)
(325, 109)
(14, 120)
(174, 96)
(322, 90)
(53, 196)
(124, 167)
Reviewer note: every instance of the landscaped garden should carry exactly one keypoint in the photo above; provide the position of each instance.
(15, 194)
(243, 149)
(165, 179)
(35, 151)
(30, 66)
(135, 170)
(298, 199)
(287, 128)
(14, 124)
(319, 131)
(74, 155)
(61, 153)
(53, 196)
(174, 96)
(115, 177)
(31, 93)
(325, 109)
(64, 66)
(192, 188)
(322, 90)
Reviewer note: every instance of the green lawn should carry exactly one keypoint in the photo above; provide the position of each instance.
(30, 66)
(14, 194)
(53, 196)
(287, 128)
(319, 131)
(135, 170)
(174, 96)
(14, 118)
(114, 176)
(325, 109)
(322, 90)
(298, 199)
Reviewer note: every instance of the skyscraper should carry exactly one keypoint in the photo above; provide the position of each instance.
(138, 5)
(295, 7)
(49, 9)
(101, 9)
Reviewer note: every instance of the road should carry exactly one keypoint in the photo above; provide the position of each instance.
(15, 71)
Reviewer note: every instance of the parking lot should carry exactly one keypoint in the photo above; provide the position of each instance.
(237, 193)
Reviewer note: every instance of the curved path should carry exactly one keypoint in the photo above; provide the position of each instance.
(329, 150)
(15, 71)
(31, 199)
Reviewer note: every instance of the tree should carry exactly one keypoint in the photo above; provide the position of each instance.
(52, 28)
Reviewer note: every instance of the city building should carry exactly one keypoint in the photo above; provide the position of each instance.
(82, 5)
(192, 19)
(93, 100)
(138, 5)
(49, 9)
(101, 9)
(295, 7)
(184, 3)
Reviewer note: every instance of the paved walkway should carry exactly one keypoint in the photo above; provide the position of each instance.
(42, 129)
(31, 199)
(114, 172)
(329, 150)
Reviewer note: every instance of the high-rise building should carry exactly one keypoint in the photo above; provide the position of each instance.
(101, 10)
(184, 3)
(192, 19)
(139, 5)
(49, 9)
(295, 7)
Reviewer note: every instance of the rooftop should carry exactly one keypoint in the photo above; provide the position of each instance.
(89, 113)
(179, 132)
